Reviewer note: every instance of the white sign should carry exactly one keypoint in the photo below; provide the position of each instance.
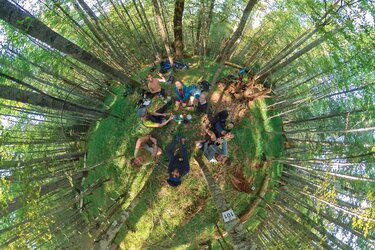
(228, 215)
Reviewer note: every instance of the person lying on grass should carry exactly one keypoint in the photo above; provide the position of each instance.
(178, 161)
(182, 94)
(154, 85)
(146, 149)
(156, 119)
(215, 151)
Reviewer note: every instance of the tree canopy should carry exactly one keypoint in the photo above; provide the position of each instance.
(70, 76)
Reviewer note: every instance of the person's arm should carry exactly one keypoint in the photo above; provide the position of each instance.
(185, 160)
(157, 114)
(166, 122)
(171, 166)
(211, 134)
(219, 128)
(186, 93)
(170, 149)
(162, 78)
(139, 143)
(154, 145)
(177, 94)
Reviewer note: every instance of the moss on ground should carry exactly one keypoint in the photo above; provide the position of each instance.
(182, 217)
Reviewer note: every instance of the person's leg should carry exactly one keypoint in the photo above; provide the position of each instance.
(164, 108)
(171, 147)
(177, 105)
(162, 93)
(149, 95)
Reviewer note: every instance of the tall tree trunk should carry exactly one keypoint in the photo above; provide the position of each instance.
(177, 22)
(234, 227)
(35, 28)
(228, 48)
(198, 31)
(207, 28)
(326, 216)
(262, 77)
(148, 30)
(15, 94)
(163, 31)
(18, 202)
(110, 235)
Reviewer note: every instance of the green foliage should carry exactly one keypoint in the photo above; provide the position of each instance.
(319, 102)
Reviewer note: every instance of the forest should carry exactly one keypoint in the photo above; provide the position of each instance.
(295, 79)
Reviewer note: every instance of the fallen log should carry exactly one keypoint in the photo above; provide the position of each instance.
(250, 210)
(233, 65)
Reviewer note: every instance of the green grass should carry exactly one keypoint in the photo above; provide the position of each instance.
(182, 217)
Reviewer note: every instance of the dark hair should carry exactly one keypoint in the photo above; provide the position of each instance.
(222, 115)
(174, 182)
(227, 162)
(149, 74)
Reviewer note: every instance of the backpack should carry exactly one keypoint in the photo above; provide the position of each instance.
(231, 77)
(165, 66)
(170, 80)
(194, 91)
(244, 70)
(179, 65)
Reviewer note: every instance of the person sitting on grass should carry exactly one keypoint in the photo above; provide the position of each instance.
(219, 126)
(215, 151)
(178, 161)
(154, 86)
(156, 119)
(182, 94)
(198, 100)
(146, 150)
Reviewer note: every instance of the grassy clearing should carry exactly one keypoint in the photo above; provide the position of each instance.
(183, 217)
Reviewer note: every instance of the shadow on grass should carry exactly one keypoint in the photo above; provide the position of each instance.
(192, 232)
(111, 137)
(154, 185)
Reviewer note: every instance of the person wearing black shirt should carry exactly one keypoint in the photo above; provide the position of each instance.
(178, 161)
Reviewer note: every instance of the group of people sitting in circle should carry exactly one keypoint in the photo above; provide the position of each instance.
(154, 114)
